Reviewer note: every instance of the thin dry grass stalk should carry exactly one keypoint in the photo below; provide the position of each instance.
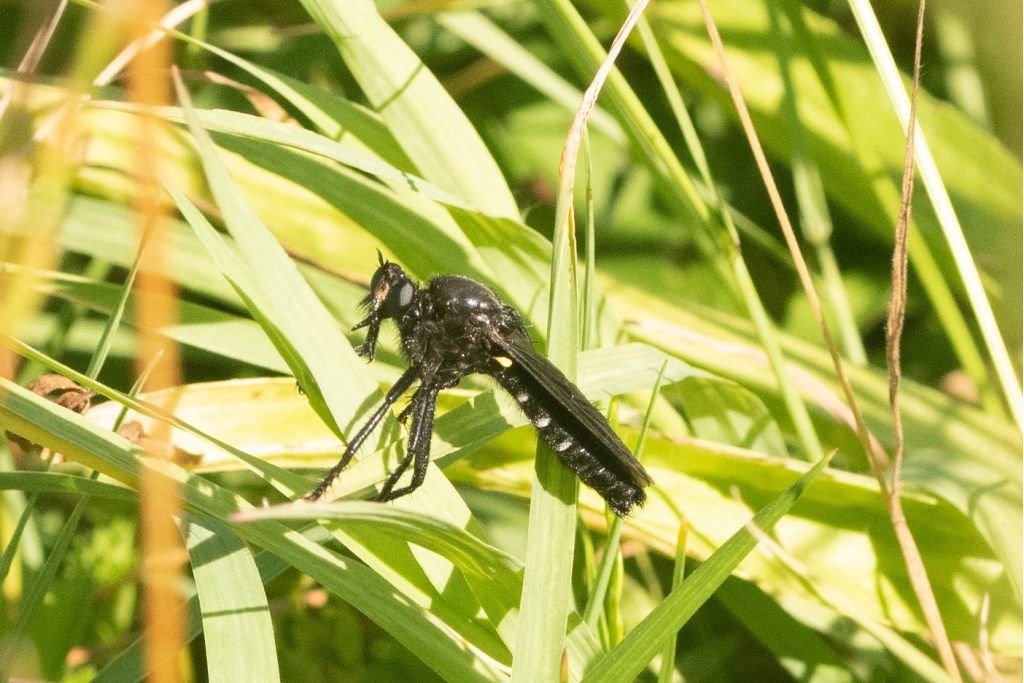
(894, 331)
(876, 455)
(30, 61)
(175, 17)
(17, 176)
(571, 148)
(163, 553)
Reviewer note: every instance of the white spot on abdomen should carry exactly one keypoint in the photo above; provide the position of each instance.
(541, 421)
(563, 446)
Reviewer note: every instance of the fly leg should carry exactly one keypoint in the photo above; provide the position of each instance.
(400, 387)
(418, 451)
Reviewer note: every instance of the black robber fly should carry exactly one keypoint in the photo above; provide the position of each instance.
(456, 326)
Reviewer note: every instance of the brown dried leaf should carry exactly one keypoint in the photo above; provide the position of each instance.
(62, 391)
(136, 433)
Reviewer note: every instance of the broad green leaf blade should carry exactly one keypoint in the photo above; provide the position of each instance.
(284, 481)
(128, 665)
(628, 658)
(286, 135)
(237, 630)
(334, 116)
(424, 119)
(419, 232)
(278, 425)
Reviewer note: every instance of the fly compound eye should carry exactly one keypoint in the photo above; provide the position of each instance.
(404, 295)
(396, 297)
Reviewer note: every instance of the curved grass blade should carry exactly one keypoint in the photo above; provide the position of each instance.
(424, 119)
(58, 482)
(495, 576)
(237, 630)
(628, 658)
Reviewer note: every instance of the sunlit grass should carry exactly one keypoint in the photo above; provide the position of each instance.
(276, 195)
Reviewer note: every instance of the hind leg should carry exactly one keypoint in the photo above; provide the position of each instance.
(418, 452)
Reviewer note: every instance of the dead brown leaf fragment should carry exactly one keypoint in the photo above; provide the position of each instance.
(61, 391)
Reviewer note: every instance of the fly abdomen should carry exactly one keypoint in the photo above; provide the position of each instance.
(581, 452)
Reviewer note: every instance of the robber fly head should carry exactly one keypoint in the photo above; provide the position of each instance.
(391, 292)
(391, 295)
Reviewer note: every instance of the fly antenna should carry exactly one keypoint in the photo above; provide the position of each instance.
(380, 258)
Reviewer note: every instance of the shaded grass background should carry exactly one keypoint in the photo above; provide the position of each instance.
(666, 286)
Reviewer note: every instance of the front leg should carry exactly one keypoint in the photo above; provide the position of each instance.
(399, 388)
(423, 405)
(369, 346)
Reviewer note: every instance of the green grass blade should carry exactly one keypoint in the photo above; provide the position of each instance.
(237, 630)
(812, 208)
(424, 119)
(668, 654)
(545, 603)
(287, 135)
(114, 320)
(128, 664)
(628, 658)
(484, 35)
(40, 584)
(283, 480)
(596, 600)
(334, 116)
(58, 482)
(495, 576)
(324, 363)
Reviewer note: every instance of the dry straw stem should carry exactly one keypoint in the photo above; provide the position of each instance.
(163, 553)
(944, 211)
(33, 54)
(17, 301)
(172, 19)
(894, 331)
(571, 148)
(875, 453)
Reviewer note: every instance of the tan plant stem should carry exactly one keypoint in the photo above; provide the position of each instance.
(876, 455)
(163, 553)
